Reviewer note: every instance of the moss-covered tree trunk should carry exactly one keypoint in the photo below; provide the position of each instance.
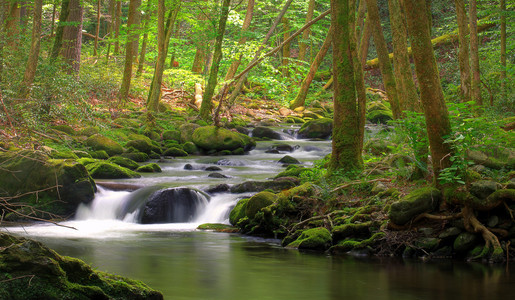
(132, 26)
(164, 29)
(244, 28)
(474, 54)
(72, 38)
(407, 91)
(365, 42)
(304, 87)
(286, 48)
(431, 94)
(503, 50)
(32, 62)
(384, 60)
(207, 104)
(303, 46)
(346, 154)
(97, 30)
(464, 58)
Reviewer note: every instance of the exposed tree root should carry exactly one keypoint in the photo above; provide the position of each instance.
(328, 216)
(359, 182)
(472, 224)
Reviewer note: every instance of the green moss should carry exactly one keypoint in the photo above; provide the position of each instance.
(341, 232)
(259, 201)
(218, 139)
(418, 201)
(316, 129)
(136, 156)
(100, 154)
(100, 142)
(175, 152)
(218, 227)
(86, 161)
(149, 168)
(63, 155)
(348, 245)
(124, 162)
(313, 239)
(238, 212)
(106, 170)
(81, 154)
(190, 148)
(65, 128)
(173, 135)
(291, 171)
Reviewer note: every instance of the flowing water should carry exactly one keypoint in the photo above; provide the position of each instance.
(184, 263)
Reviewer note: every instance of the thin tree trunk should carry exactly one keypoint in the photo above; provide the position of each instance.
(72, 38)
(58, 41)
(384, 61)
(305, 35)
(431, 94)
(206, 107)
(173, 63)
(503, 50)
(143, 51)
(246, 25)
(164, 31)
(406, 89)
(304, 87)
(3, 11)
(346, 153)
(286, 48)
(132, 24)
(463, 56)
(97, 31)
(201, 53)
(365, 42)
(117, 24)
(474, 54)
(32, 63)
(52, 23)
(360, 20)
(12, 26)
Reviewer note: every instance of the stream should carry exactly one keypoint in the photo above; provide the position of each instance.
(184, 263)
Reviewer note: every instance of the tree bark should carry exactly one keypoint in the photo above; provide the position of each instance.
(346, 155)
(97, 30)
(164, 31)
(437, 117)
(201, 53)
(72, 38)
(305, 35)
(286, 48)
(117, 24)
(474, 54)
(463, 57)
(365, 42)
(32, 62)
(58, 41)
(503, 50)
(246, 25)
(304, 87)
(407, 91)
(143, 51)
(206, 107)
(384, 61)
(132, 24)
(12, 26)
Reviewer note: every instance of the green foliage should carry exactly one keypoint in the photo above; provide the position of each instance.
(413, 127)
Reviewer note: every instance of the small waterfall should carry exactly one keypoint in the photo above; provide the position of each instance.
(218, 209)
(107, 205)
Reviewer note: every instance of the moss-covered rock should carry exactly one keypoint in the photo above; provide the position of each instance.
(378, 146)
(257, 202)
(289, 160)
(238, 212)
(313, 239)
(351, 244)
(465, 241)
(124, 162)
(190, 148)
(81, 154)
(65, 128)
(187, 130)
(99, 154)
(174, 151)
(265, 133)
(43, 274)
(358, 230)
(136, 156)
(218, 227)
(63, 155)
(257, 186)
(483, 188)
(494, 157)
(316, 129)
(218, 139)
(172, 135)
(106, 170)
(292, 171)
(380, 116)
(35, 175)
(149, 168)
(100, 142)
(421, 200)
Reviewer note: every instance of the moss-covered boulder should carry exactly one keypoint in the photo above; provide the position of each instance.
(107, 170)
(44, 181)
(187, 130)
(219, 139)
(483, 188)
(190, 148)
(378, 146)
(149, 168)
(493, 157)
(289, 160)
(378, 112)
(218, 227)
(100, 142)
(265, 133)
(238, 212)
(257, 202)
(257, 186)
(89, 131)
(358, 230)
(99, 154)
(65, 128)
(124, 162)
(172, 135)
(41, 273)
(313, 239)
(418, 201)
(136, 156)
(175, 152)
(465, 241)
(316, 129)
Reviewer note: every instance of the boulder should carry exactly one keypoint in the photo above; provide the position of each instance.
(257, 186)
(217, 175)
(107, 170)
(174, 152)
(313, 239)
(493, 158)
(124, 162)
(418, 201)
(316, 129)
(187, 130)
(172, 135)
(278, 148)
(189, 148)
(465, 242)
(136, 156)
(35, 175)
(149, 168)
(100, 142)
(483, 188)
(41, 273)
(219, 139)
(173, 205)
(265, 133)
(378, 146)
(238, 212)
(257, 202)
(289, 160)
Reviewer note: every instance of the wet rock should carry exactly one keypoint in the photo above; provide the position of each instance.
(100, 142)
(316, 129)
(288, 160)
(422, 200)
(266, 133)
(257, 202)
(311, 148)
(257, 186)
(220, 188)
(358, 230)
(465, 242)
(218, 227)
(483, 188)
(217, 175)
(213, 169)
(106, 170)
(232, 163)
(188, 167)
(219, 139)
(149, 168)
(282, 148)
(238, 212)
(313, 239)
(124, 162)
(427, 243)
(449, 233)
(173, 205)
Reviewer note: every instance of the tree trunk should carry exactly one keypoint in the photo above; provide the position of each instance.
(463, 56)
(201, 53)
(474, 54)
(58, 41)
(132, 24)
(117, 24)
(143, 51)
(97, 31)
(12, 26)
(173, 63)
(406, 89)
(304, 87)
(365, 42)
(346, 155)
(72, 38)
(503, 50)
(384, 61)
(112, 9)
(206, 107)
(431, 94)
(164, 31)
(286, 48)
(305, 35)
(246, 24)
(52, 23)
(32, 63)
